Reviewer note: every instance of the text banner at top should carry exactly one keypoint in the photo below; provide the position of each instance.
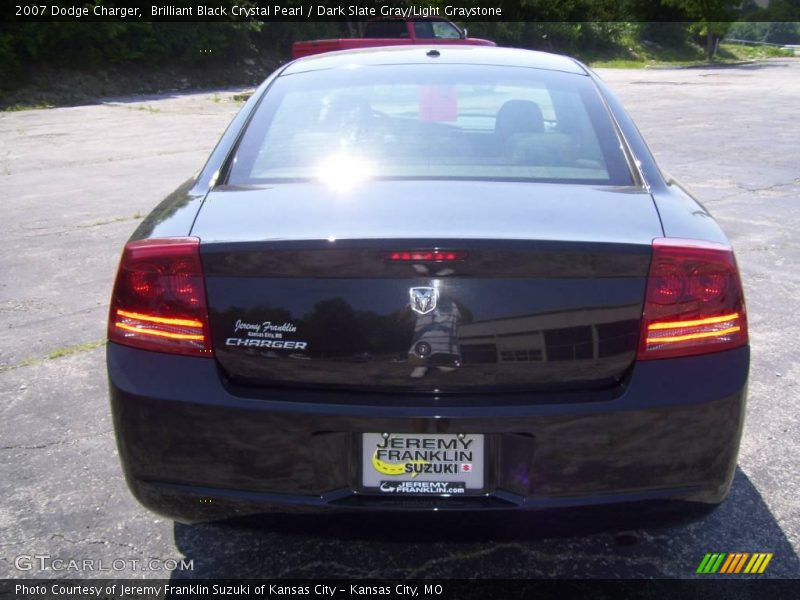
(330, 10)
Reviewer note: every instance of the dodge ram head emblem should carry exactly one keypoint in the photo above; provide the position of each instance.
(423, 299)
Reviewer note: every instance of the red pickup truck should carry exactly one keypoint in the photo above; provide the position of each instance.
(394, 32)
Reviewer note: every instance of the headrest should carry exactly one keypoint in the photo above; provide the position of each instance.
(518, 116)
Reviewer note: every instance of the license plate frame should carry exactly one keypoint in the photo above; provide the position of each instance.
(461, 459)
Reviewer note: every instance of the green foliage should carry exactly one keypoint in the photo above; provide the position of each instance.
(9, 64)
(779, 11)
(672, 34)
(707, 11)
(278, 37)
(772, 33)
(712, 18)
(741, 52)
(569, 38)
(581, 27)
(659, 22)
(777, 23)
(87, 45)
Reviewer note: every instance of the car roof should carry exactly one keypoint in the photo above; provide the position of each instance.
(447, 54)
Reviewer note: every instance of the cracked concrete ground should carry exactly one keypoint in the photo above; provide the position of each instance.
(78, 180)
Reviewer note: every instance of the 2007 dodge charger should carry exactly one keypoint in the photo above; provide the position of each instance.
(427, 278)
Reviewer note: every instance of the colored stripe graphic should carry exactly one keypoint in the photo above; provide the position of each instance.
(740, 564)
(758, 563)
(766, 562)
(729, 562)
(733, 563)
(703, 563)
(711, 563)
(717, 564)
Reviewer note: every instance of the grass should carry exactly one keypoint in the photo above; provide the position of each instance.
(25, 106)
(68, 350)
(136, 215)
(149, 109)
(619, 63)
(637, 54)
(57, 353)
(47, 87)
(633, 53)
(243, 97)
(44, 86)
(740, 52)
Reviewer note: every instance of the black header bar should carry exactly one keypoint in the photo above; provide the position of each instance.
(464, 11)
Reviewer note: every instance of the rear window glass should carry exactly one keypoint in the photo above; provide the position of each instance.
(432, 121)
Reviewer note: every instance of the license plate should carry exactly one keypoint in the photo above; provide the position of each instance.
(411, 463)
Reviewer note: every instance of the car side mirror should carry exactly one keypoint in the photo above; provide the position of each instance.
(464, 34)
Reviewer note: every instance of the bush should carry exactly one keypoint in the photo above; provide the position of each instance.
(773, 33)
(77, 44)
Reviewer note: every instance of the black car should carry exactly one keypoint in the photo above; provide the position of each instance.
(427, 278)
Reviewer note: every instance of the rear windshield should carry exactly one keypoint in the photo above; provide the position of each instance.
(432, 121)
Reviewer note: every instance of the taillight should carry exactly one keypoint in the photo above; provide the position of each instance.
(159, 298)
(423, 255)
(694, 302)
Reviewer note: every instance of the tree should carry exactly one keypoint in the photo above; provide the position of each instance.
(714, 15)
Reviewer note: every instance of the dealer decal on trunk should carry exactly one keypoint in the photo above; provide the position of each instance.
(264, 335)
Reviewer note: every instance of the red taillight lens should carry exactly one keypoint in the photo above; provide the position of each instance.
(423, 255)
(694, 302)
(159, 298)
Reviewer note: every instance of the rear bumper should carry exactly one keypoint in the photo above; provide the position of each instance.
(193, 450)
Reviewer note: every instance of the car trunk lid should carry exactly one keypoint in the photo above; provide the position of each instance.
(308, 287)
